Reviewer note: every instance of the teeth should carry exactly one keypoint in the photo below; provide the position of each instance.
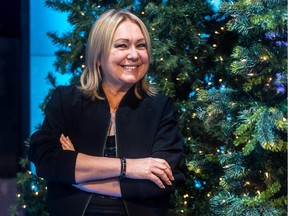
(130, 67)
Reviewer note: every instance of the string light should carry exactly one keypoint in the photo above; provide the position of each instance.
(264, 58)
(214, 45)
(161, 59)
(195, 57)
(220, 80)
(247, 183)
(69, 44)
(142, 12)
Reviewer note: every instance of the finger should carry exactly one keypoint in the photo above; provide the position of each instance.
(162, 174)
(66, 143)
(157, 181)
(164, 166)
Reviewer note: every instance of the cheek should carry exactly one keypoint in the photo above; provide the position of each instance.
(144, 57)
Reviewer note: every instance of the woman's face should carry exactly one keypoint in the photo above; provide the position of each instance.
(128, 59)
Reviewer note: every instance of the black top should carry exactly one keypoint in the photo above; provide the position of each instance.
(145, 127)
(106, 205)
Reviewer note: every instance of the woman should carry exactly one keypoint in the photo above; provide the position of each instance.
(122, 145)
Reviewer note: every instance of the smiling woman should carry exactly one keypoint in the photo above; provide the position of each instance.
(127, 62)
(110, 146)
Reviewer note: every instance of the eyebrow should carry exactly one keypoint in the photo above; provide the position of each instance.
(124, 39)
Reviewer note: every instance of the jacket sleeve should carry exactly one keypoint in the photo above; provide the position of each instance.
(168, 145)
(51, 162)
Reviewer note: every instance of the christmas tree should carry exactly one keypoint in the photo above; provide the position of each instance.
(226, 73)
(253, 108)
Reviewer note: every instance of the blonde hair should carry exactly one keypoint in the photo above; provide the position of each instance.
(99, 44)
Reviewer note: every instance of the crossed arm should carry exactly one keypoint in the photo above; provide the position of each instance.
(100, 174)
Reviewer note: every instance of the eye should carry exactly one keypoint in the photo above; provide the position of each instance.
(123, 46)
(142, 46)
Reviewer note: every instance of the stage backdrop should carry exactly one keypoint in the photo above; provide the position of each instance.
(42, 20)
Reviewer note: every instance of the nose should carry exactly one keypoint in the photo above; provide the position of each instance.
(133, 54)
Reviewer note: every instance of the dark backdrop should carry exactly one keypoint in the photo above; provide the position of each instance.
(14, 84)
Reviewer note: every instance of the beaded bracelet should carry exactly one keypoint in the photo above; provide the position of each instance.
(123, 168)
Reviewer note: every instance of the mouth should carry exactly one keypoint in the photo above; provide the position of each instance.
(129, 67)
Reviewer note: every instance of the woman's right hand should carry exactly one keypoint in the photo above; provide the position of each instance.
(154, 169)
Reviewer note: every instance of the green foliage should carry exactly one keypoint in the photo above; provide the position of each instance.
(255, 171)
(226, 73)
(31, 197)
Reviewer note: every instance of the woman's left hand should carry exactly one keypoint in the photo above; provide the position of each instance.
(66, 143)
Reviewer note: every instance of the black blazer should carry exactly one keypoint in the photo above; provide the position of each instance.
(144, 128)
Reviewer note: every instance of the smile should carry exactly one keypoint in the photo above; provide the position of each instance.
(129, 67)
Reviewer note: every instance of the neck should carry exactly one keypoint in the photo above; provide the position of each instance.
(114, 97)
